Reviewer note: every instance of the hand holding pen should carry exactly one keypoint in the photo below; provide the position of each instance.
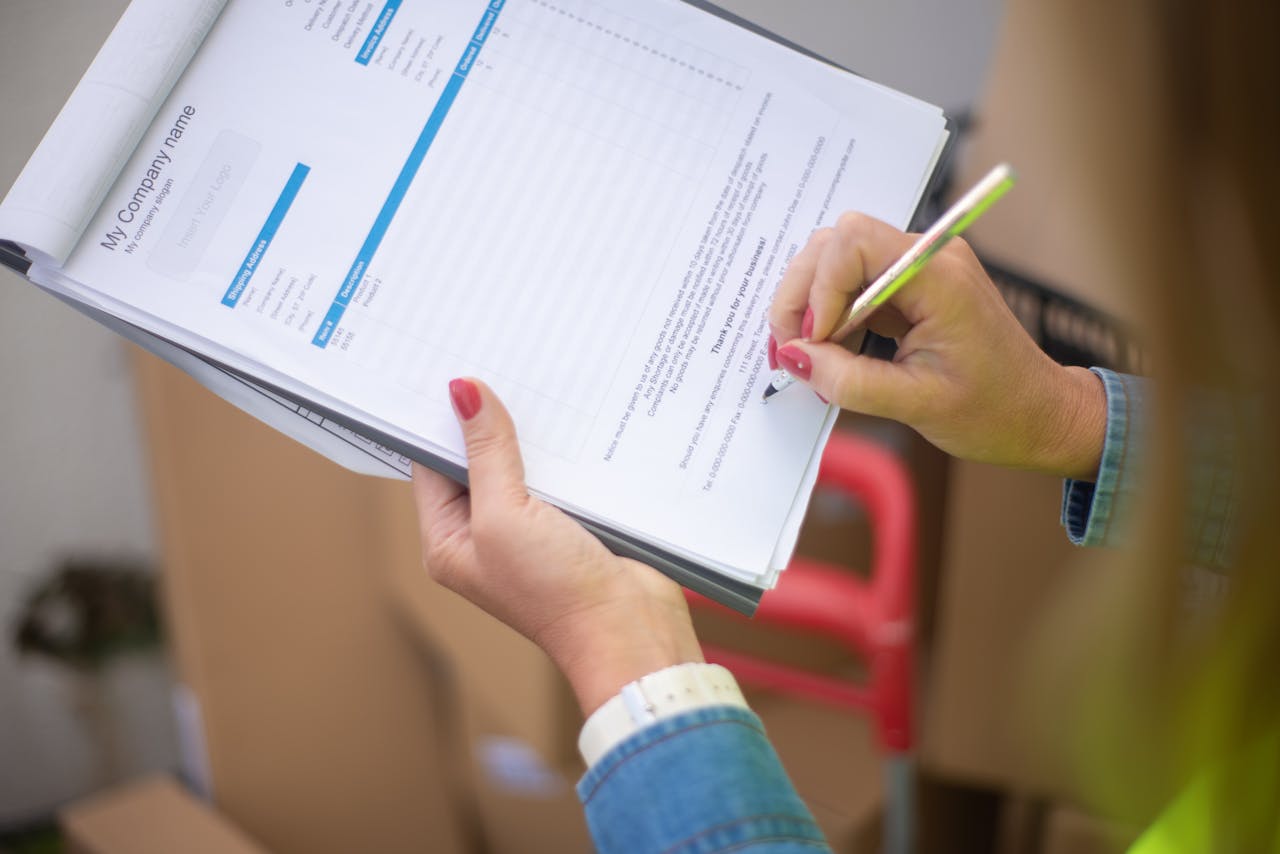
(966, 375)
(956, 219)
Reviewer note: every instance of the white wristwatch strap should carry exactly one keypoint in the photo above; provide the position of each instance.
(659, 695)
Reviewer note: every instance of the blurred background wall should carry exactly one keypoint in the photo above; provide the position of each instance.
(72, 469)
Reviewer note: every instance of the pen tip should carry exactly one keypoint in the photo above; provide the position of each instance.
(769, 392)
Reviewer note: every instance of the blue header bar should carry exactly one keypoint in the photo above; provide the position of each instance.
(266, 235)
(379, 30)
(486, 24)
(410, 170)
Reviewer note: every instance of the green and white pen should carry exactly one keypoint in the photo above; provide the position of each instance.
(958, 217)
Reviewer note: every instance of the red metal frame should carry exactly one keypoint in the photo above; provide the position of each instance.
(871, 617)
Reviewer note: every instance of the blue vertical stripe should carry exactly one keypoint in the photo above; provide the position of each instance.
(398, 190)
(265, 236)
(379, 30)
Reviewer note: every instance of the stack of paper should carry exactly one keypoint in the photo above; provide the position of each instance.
(329, 209)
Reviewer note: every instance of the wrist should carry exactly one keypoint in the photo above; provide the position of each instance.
(601, 651)
(602, 670)
(601, 683)
(655, 697)
(1075, 428)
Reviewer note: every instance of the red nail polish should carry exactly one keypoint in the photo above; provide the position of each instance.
(795, 362)
(465, 397)
(773, 354)
(806, 325)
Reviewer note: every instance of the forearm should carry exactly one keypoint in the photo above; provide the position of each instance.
(1070, 426)
(604, 650)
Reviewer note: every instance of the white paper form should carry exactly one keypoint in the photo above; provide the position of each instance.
(50, 204)
(587, 204)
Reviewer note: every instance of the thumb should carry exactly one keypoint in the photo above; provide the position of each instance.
(495, 470)
(858, 383)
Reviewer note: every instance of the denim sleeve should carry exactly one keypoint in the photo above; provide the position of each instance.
(703, 781)
(1096, 514)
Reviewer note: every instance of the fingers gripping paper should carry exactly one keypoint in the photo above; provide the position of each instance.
(587, 203)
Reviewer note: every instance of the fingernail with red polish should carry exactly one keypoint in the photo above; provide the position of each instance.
(806, 325)
(773, 354)
(795, 362)
(465, 397)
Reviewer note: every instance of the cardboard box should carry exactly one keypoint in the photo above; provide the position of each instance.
(516, 718)
(150, 816)
(1012, 686)
(1068, 830)
(1065, 106)
(320, 720)
(1007, 559)
(525, 805)
(535, 812)
(832, 759)
(494, 668)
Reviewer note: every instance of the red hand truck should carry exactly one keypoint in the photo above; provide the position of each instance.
(873, 617)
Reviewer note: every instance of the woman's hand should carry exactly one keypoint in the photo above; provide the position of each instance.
(966, 375)
(604, 620)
